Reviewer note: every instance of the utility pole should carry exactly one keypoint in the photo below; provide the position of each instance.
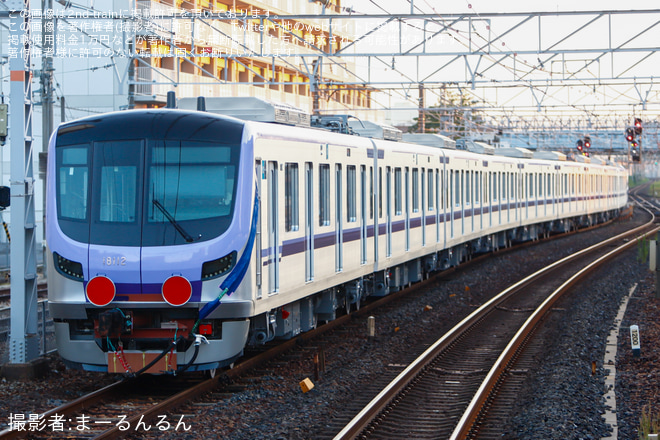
(24, 339)
(47, 45)
(422, 109)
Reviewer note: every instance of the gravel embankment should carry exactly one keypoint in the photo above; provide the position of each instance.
(569, 406)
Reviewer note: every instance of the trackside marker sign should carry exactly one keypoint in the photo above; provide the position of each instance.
(635, 341)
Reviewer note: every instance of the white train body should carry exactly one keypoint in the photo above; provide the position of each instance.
(340, 218)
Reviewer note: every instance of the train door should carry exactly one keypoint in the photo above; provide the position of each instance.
(273, 229)
(388, 211)
(452, 197)
(565, 193)
(530, 193)
(407, 197)
(339, 236)
(551, 192)
(488, 198)
(423, 206)
(260, 173)
(469, 202)
(505, 198)
(514, 193)
(364, 201)
(496, 198)
(309, 221)
(437, 198)
(443, 202)
(460, 187)
(478, 197)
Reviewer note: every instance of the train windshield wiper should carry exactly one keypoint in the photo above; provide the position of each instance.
(176, 224)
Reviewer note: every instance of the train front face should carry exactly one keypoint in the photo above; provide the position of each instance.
(148, 211)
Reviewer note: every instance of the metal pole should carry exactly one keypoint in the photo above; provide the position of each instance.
(47, 40)
(24, 344)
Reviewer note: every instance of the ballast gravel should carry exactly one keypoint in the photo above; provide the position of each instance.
(561, 400)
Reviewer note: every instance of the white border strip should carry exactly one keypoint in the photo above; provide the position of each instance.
(609, 364)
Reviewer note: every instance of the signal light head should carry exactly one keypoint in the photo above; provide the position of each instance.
(630, 134)
(100, 291)
(587, 142)
(176, 290)
(638, 126)
(579, 144)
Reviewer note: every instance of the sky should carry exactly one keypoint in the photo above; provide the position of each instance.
(564, 31)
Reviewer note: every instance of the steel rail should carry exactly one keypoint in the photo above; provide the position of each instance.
(488, 387)
(369, 412)
(78, 404)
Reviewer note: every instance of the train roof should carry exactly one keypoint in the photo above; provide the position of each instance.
(430, 140)
(152, 123)
(250, 108)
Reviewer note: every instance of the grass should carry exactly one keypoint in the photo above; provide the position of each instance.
(649, 423)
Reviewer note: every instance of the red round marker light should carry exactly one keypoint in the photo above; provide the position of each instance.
(100, 291)
(177, 290)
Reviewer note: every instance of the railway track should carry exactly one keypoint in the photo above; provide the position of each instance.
(117, 404)
(449, 390)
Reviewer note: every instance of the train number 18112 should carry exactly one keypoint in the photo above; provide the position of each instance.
(114, 261)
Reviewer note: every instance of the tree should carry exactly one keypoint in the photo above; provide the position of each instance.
(454, 115)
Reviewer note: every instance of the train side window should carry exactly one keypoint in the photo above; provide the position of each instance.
(503, 186)
(371, 192)
(351, 186)
(415, 190)
(445, 192)
(477, 186)
(457, 188)
(423, 184)
(487, 194)
(430, 186)
(468, 187)
(512, 185)
(291, 197)
(324, 195)
(549, 184)
(380, 192)
(398, 206)
(494, 189)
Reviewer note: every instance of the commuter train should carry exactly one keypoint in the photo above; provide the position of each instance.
(176, 237)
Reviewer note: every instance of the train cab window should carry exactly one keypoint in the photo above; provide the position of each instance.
(351, 196)
(118, 194)
(324, 195)
(72, 182)
(291, 198)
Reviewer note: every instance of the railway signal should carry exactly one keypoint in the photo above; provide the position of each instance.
(587, 142)
(579, 145)
(638, 126)
(630, 134)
